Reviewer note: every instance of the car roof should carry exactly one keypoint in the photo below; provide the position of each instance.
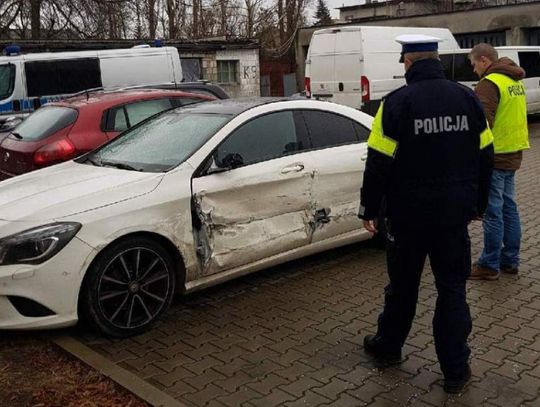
(107, 98)
(233, 106)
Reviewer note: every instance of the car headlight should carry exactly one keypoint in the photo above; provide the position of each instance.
(36, 245)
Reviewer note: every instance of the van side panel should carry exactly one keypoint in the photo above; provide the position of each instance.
(176, 66)
(135, 70)
(348, 68)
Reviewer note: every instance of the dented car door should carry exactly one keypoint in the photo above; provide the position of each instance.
(254, 200)
(338, 156)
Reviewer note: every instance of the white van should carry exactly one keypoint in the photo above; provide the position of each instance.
(30, 80)
(457, 67)
(357, 65)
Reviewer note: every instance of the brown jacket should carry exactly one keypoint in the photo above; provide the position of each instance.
(488, 93)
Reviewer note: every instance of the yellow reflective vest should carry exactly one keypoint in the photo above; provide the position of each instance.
(510, 131)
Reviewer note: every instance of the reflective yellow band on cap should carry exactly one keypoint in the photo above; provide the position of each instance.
(486, 138)
(377, 140)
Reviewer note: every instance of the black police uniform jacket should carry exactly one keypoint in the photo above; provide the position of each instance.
(430, 152)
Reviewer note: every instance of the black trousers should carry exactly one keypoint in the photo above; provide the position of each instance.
(449, 252)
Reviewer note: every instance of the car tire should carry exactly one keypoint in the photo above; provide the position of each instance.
(128, 287)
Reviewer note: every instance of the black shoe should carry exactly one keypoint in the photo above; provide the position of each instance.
(373, 346)
(456, 385)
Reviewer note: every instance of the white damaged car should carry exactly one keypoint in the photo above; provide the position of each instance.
(189, 199)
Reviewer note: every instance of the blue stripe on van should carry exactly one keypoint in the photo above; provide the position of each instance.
(27, 105)
(6, 107)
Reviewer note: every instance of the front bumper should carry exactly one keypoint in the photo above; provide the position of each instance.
(54, 285)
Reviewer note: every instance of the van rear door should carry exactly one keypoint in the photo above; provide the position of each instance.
(348, 68)
(322, 57)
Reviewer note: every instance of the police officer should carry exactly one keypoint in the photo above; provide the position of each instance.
(430, 155)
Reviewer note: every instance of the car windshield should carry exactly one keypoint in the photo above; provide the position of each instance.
(7, 80)
(45, 122)
(159, 144)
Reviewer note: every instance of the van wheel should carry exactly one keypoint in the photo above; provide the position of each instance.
(128, 287)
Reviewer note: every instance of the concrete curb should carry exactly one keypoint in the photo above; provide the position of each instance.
(128, 380)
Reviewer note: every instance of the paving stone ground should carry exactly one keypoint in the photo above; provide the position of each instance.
(291, 335)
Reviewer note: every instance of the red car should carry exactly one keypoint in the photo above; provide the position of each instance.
(63, 130)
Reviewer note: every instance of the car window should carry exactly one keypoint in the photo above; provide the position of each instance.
(119, 119)
(329, 129)
(163, 143)
(45, 122)
(263, 138)
(463, 70)
(362, 132)
(137, 112)
(530, 61)
(183, 101)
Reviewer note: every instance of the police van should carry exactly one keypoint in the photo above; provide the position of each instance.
(458, 68)
(357, 65)
(29, 80)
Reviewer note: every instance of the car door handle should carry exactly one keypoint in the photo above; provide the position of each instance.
(364, 157)
(293, 168)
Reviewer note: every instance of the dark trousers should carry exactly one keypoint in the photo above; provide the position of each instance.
(448, 249)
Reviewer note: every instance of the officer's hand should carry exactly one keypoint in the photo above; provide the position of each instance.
(371, 225)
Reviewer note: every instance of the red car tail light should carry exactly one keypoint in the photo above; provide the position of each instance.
(60, 150)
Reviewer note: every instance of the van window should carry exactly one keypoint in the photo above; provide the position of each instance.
(463, 70)
(7, 80)
(447, 62)
(530, 61)
(45, 122)
(329, 129)
(62, 77)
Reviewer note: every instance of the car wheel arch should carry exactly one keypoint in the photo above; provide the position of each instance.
(165, 242)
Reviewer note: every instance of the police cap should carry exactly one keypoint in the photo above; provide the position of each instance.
(417, 43)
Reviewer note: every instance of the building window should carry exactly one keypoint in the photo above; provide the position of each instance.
(495, 38)
(227, 71)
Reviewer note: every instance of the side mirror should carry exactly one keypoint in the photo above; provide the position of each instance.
(229, 162)
(232, 161)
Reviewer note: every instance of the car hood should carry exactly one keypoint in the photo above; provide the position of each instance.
(70, 188)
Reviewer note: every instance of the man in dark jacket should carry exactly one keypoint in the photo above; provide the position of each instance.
(502, 95)
(430, 155)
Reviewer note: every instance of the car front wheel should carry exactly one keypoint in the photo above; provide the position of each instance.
(128, 287)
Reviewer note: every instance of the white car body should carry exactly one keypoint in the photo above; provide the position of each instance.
(265, 212)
